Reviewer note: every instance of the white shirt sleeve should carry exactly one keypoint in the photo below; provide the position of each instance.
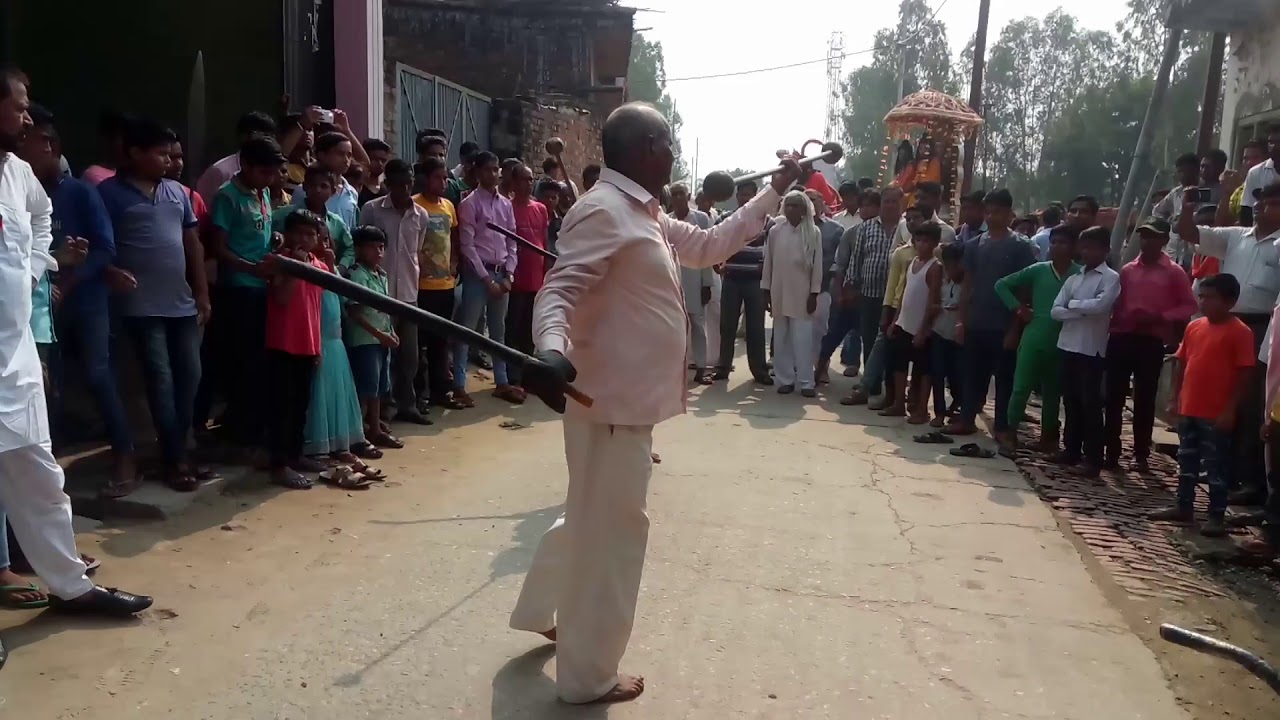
(1214, 241)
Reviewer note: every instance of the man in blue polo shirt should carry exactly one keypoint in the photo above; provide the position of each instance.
(157, 242)
(83, 320)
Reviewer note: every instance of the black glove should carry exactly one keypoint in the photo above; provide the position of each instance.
(547, 377)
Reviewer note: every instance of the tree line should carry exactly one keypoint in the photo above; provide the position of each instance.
(1063, 105)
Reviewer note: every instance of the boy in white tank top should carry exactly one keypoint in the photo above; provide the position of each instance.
(912, 328)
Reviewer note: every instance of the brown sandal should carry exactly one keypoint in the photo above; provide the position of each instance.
(387, 440)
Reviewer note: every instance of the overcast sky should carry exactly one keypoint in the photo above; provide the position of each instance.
(741, 121)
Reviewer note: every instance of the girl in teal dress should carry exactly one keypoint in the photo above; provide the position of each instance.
(334, 424)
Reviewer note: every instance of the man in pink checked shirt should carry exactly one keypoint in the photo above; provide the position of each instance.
(612, 317)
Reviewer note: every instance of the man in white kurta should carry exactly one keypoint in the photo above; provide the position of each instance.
(792, 280)
(613, 306)
(30, 479)
(697, 284)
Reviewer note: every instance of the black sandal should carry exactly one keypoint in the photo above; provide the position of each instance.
(972, 450)
(933, 438)
(366, 451)
(292, 480)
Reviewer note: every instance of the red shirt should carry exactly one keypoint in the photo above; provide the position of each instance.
(1202, 266)
(1212, 355)
(532, 221)
(293, 325)
(1161, 289)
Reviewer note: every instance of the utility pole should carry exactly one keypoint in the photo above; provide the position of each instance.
(902, 58)
(975, 89)
(1142, 153)
(1212, 92)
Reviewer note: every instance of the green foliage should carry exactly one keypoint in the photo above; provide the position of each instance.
(647, 82)
(1063, 105)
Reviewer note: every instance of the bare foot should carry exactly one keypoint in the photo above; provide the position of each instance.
(17, 595)
(550, 634)
(629, 687)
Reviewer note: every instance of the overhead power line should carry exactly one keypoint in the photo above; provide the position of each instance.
(755, 71)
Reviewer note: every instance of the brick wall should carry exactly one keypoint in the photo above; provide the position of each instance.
(503, 53)
(522, 126)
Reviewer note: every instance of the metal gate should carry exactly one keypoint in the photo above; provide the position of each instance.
(427, 101)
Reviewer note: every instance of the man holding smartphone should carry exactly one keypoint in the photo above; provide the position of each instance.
(1189, 172)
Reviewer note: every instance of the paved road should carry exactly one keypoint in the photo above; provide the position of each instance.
(802, 565)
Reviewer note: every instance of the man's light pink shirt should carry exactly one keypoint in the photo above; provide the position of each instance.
(613, 304)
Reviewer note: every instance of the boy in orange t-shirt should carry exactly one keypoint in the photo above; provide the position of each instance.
(1213, 364)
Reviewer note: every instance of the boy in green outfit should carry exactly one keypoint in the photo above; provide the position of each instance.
(318, 185)
(1038, 350)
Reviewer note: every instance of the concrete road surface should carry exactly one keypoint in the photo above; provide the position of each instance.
(801, 565)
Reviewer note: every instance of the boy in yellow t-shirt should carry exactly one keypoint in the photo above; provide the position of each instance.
(438, 258)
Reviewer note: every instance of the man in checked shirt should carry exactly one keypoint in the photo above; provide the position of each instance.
(866, 281)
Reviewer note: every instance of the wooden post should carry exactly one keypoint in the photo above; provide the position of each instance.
(1212, 92)
(975, 89)
(1142, 153)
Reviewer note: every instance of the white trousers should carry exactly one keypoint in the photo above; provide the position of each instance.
(696, 354)
(711, 312)
(821, 318)
(586, 572)
(794, 354)
(40, 513)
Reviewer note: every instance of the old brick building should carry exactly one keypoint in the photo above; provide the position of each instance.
(507, 74)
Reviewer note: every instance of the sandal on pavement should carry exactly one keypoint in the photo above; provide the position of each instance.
(343, 478)
(116, 489)
(387, 440)
(291, 480)
(204, 474)
(933, 438)
(857, 397)
(309, 465)
(972, 450)
(181, 481)
(510, 393)
(90, 563)
(9, 593)
(366, 451)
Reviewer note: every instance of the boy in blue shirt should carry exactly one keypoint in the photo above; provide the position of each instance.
(83, 320)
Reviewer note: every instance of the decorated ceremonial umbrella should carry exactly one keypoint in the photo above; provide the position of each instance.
(946, 120)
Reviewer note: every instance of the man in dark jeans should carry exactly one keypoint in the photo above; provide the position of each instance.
(83, 321)
(867, 280)
(742, 291)
(985, 319)
(845, 319)
(157, 243)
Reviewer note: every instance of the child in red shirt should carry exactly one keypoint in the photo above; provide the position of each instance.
(293, 352)
(1213, 364)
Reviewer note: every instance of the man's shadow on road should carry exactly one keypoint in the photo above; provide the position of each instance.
(512, 561)
(522, 691)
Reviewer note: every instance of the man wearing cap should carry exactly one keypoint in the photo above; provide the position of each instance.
(1155, 298)
(1250, 254)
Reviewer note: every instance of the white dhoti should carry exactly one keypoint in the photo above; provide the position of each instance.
(697, 352)
(40, 513)
(793, 351)
(821, 319)
(586, 572)
(711, 311)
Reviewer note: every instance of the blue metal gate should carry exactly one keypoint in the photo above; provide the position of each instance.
(427, 101)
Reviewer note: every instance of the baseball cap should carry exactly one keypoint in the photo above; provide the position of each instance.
(1155, 225)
